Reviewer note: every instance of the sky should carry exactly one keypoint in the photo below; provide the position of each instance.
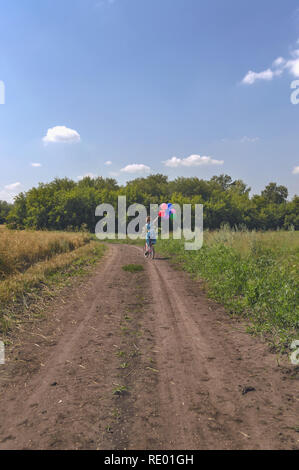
(126, 88)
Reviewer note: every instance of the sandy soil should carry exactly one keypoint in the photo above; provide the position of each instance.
(144, 361)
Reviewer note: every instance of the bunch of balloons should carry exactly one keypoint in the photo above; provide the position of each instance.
(167, 211)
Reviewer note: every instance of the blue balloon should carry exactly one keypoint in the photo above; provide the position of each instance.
(167, 214)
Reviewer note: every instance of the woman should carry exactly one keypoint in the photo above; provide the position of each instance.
(151, 238)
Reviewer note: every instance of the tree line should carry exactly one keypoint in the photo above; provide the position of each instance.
(5, 208)
(64, 204)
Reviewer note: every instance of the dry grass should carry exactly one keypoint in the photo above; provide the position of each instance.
(30, 260)
(15, 286)
(21, 250)
(43, 263)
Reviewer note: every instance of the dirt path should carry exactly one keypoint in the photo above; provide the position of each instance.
(144, 361)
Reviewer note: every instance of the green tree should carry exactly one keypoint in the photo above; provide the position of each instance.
(5, 209)
(65, 204)
(275, 194)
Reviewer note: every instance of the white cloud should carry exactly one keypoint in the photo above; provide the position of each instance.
(36, 165)
(293, 66)
(249, 140)
(108, 163)
(9, 192)
(136, 168)
(296, 170)
(12, 187)
(87, 175)
(243, 140)
(61, 134)
(7, 196)
(252, 77)
(279, 62)
(192, 161)
(280, 65)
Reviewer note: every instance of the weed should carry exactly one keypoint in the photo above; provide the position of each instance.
(124, 365)
(133, 268)
(253, 274)
(119, 390)
(120, 353)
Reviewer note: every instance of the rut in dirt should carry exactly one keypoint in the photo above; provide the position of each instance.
(144, 361)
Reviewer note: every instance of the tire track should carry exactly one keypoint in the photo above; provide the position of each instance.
(184, 383)
(210, 361)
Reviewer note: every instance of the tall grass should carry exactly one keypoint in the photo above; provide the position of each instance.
(34, 264)
(20, 250)
(253, 274)
(18, 285)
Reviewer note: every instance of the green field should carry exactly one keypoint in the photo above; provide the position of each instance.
(252, 274)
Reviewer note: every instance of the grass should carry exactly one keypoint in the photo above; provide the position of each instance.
(255, 275)
(124, 365)
(44, 261)
(120, 354)
(21, 249)
(119, 390)
(133, 268)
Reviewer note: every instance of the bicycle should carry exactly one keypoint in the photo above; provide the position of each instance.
(149, 251)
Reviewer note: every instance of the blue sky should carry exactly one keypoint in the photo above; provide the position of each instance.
(180, 87)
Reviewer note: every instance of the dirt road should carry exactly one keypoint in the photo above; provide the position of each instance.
(144, 361)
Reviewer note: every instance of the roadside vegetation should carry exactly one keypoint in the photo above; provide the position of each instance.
(33, 265)
(253, 274)
(19, 250)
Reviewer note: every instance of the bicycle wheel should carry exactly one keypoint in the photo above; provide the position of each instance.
(152, 253)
